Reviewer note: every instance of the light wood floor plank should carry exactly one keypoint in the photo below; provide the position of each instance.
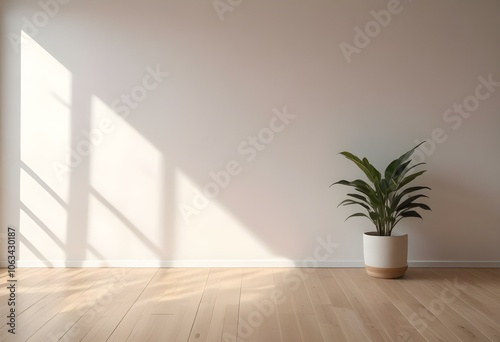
(285, 282)
(114, 301)
(439, 306)
(471, 308)
(34, 286)
(330, 326)
(50, 303)
(217, 313)
(192, 299)
(304, 309)
(474, 294)
(350, 320)
(300, 305)
(484, 280)
(68, 310)
(148, 298)
(258, 314)
(435, 330)
(398, 328)
(252, 304)
(181, 302)
(367, 317)
(136, 283)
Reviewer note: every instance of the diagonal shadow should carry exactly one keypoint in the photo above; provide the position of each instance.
(53, 236)
(95, 252)
(127, 223)
(77, 223)
(42, 225)
(44, 185)
(35, 251)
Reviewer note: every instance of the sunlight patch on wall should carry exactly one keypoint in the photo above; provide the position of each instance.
(214, 233)
(45, 115)
(43, 222)
(49, 214)
(125, 203)
(45, 126)
(113, 236)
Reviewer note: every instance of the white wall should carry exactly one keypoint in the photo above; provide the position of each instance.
(119, 204)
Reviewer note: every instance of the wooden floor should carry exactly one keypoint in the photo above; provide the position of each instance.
(250, 304)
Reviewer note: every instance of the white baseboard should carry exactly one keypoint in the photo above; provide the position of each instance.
(463, 264)
(239, 263)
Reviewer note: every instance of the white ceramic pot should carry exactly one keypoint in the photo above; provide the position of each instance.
(385, 256)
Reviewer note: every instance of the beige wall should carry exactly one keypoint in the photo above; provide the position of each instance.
(168, 94)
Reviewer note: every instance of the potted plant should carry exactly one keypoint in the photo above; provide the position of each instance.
(386, 200)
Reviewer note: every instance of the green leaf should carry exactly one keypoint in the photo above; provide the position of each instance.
(405, 172)
(350, 202)
(371, 173)
(374, 216)
(411, 213)
(362, 198)
(410, 178)
(395, 164)
(417, 205)
(412, 189)
(367, 190)
(357, 215)
(408, 154)
(384, 187)
(389, 171)
(373, 170)
(408, 201)
(399, 196)
(342, 182)
(400, 171)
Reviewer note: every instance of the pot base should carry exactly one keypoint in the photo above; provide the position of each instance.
(386, 273)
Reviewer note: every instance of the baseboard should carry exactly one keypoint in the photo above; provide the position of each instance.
(239, 263)
(463, 264)
(184, 263)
